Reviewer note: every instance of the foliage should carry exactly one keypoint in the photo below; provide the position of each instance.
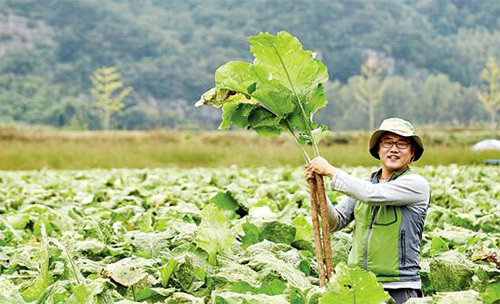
(213, 235)
(351, 286)
(490, 97)
(371, 87)
(106, 82)
(132, 236)
(281, 90)
(168, 52)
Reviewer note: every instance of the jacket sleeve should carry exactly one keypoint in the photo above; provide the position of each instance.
(342, 214)
(406, 190)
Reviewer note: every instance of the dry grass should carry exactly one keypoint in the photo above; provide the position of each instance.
(27, 149)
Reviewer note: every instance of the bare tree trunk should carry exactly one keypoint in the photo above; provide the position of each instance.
(371, 119)
(106, 117)
(493, 119)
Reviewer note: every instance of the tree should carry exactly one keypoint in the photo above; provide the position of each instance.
(438, 97)
(490, 95)
(108, 93)
(371, 86)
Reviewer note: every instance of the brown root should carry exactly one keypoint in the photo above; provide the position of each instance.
(320, 192)
(318, 248)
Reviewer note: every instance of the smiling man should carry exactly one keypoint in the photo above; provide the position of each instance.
(389, 210)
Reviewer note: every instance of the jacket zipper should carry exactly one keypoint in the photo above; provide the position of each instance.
(403, 247)
(375, 211)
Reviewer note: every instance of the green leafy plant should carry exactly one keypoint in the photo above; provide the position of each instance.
(165, 265)
(44, 278)
(353, 285)
(214, 234)
(280, 91)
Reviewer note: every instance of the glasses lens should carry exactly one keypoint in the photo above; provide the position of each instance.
(402, 144)
(387, 144)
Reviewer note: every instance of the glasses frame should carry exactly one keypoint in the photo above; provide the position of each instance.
(406, 144)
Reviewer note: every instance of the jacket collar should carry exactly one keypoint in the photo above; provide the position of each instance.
(375, 175)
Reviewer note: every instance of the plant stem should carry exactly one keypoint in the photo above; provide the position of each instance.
(304, 152)
(76, 272)
(69, 257)
(99, 231)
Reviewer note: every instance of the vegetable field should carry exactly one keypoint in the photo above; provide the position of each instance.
(223, 236)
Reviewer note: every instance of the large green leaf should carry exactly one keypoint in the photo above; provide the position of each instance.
(9, 292)
(317, 100)
(241, 81)
(126, 272)
(251, 236)
(353, 285)
(271, 285)
(492, 293)
(278, 232)
(281, 90)
(214, 234)
(226, 297)
(236, 113)
(465, 296)
(280, 57)
(18, 221)
(236, 76)
(452, 271)
(261, 117)
(289, 78)
(81, 294)
(275, 96)
(44, 278)
(303, 229)
(166, 271)
(264, 122)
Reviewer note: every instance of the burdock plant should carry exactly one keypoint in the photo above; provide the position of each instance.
(279, 92)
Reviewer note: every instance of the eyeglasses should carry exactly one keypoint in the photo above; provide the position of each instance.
(399, 144)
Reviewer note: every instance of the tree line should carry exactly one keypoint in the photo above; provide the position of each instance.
(432, 52)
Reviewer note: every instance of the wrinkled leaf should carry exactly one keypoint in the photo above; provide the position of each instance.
(350, 286)
(214, 234)
(126, 272)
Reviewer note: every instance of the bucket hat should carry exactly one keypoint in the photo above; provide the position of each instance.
(400, 127)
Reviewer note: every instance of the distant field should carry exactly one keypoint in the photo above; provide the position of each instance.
(41, 148)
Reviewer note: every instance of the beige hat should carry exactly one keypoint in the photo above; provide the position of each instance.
(400, 127)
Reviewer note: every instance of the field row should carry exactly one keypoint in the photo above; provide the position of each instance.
(217, 236)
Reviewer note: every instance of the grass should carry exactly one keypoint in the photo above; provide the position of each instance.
(33, 149)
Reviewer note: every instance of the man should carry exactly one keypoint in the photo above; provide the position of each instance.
(389, 212)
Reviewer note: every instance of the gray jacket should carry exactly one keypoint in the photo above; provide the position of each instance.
(410, 192)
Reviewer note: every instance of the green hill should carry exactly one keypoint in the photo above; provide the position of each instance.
(169, 50)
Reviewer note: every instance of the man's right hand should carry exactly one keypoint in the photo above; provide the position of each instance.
(309, 174)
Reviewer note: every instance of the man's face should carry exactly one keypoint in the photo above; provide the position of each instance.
(395, 151)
